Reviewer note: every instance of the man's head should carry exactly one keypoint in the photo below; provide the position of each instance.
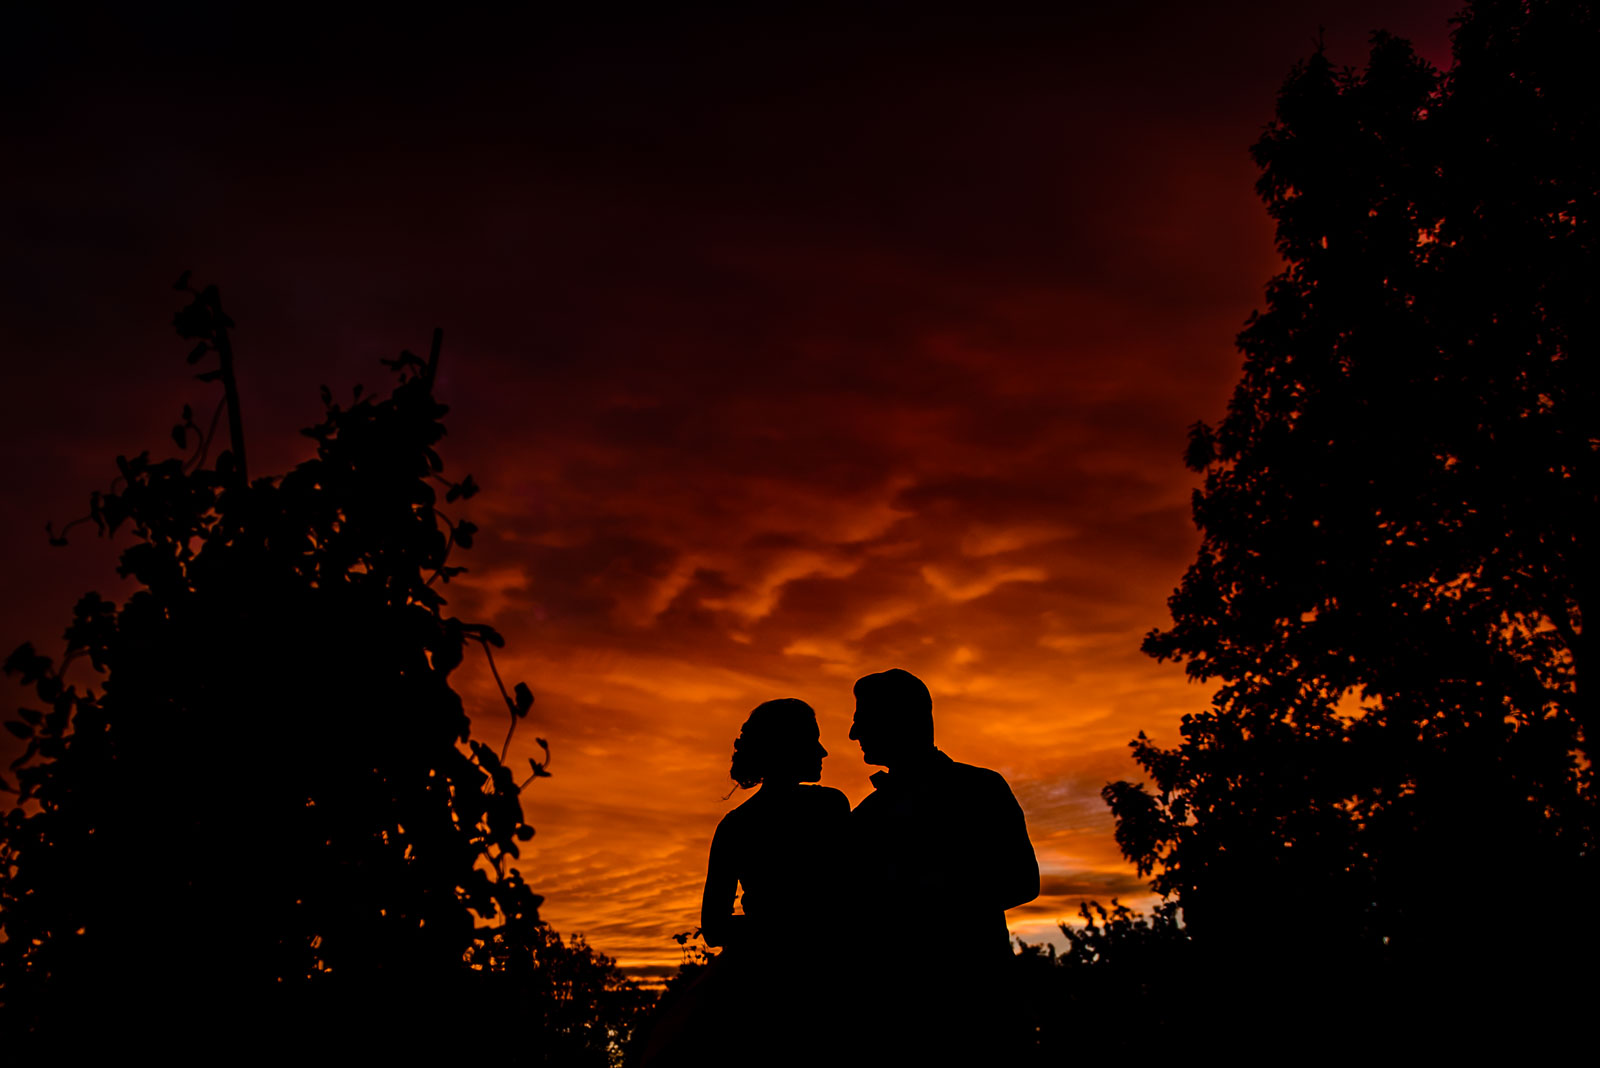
(894, 717)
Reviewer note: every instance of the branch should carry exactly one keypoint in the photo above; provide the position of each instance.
(204, 449)
(449, 544)
(433, 355)
(511, 705)
(230, 385)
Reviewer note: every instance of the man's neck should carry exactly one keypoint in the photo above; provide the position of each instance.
(916, 758)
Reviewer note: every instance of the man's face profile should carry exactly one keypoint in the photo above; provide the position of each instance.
(868, 729)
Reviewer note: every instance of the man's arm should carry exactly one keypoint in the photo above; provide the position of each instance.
(1016, 869)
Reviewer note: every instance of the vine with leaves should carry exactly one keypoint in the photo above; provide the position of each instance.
(272, 753)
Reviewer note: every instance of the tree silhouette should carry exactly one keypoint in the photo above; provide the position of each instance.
(1399, 518)
(272, 814)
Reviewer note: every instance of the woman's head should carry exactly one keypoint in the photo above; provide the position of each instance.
(778, 743)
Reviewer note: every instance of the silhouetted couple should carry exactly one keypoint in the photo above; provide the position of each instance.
(873, 936)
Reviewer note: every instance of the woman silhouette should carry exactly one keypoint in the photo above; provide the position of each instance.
(782, 845)
(762, 1000)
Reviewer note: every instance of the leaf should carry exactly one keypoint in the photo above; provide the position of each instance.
(197, 354)
(194, 321)
(19, 728)
(210, 376)
(27, 755)
(524, 700)
(183, 281)
(1202, 450)
(113, 510)
(464, 533)
(27, 662)
(179, 435)
(524, 833)
(485, 633)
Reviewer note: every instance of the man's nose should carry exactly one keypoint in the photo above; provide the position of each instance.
(822, 750)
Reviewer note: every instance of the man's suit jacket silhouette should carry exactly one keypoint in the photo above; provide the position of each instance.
(942, 851)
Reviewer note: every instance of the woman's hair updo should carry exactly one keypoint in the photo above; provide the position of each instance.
(778, 734)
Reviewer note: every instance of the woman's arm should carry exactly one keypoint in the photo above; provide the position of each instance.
(718, 925)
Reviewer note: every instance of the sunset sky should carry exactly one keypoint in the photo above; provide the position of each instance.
(784, 350)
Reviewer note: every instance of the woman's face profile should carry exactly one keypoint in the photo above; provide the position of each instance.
(814, 770)
(805, 759)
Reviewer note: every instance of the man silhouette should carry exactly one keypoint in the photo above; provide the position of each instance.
(942, 851)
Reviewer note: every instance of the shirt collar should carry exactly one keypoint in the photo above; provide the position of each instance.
(908, 774)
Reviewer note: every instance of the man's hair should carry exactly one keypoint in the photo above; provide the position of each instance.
(902, 698)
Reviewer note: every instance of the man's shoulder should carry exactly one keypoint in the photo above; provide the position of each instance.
(973, 771)
(972, 777)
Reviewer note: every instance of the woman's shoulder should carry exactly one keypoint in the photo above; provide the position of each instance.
(736, 816)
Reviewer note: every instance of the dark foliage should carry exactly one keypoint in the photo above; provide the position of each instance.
(1399, 518)
(271, 818)
(1123, 973)
(697, 957)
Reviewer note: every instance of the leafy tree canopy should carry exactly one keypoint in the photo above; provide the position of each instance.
(1399, 516)
(270, 804)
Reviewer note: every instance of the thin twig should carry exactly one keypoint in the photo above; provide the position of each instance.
(433, 354)
(444, 560)
(205, 446)
(230, 386)
(510, 705)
